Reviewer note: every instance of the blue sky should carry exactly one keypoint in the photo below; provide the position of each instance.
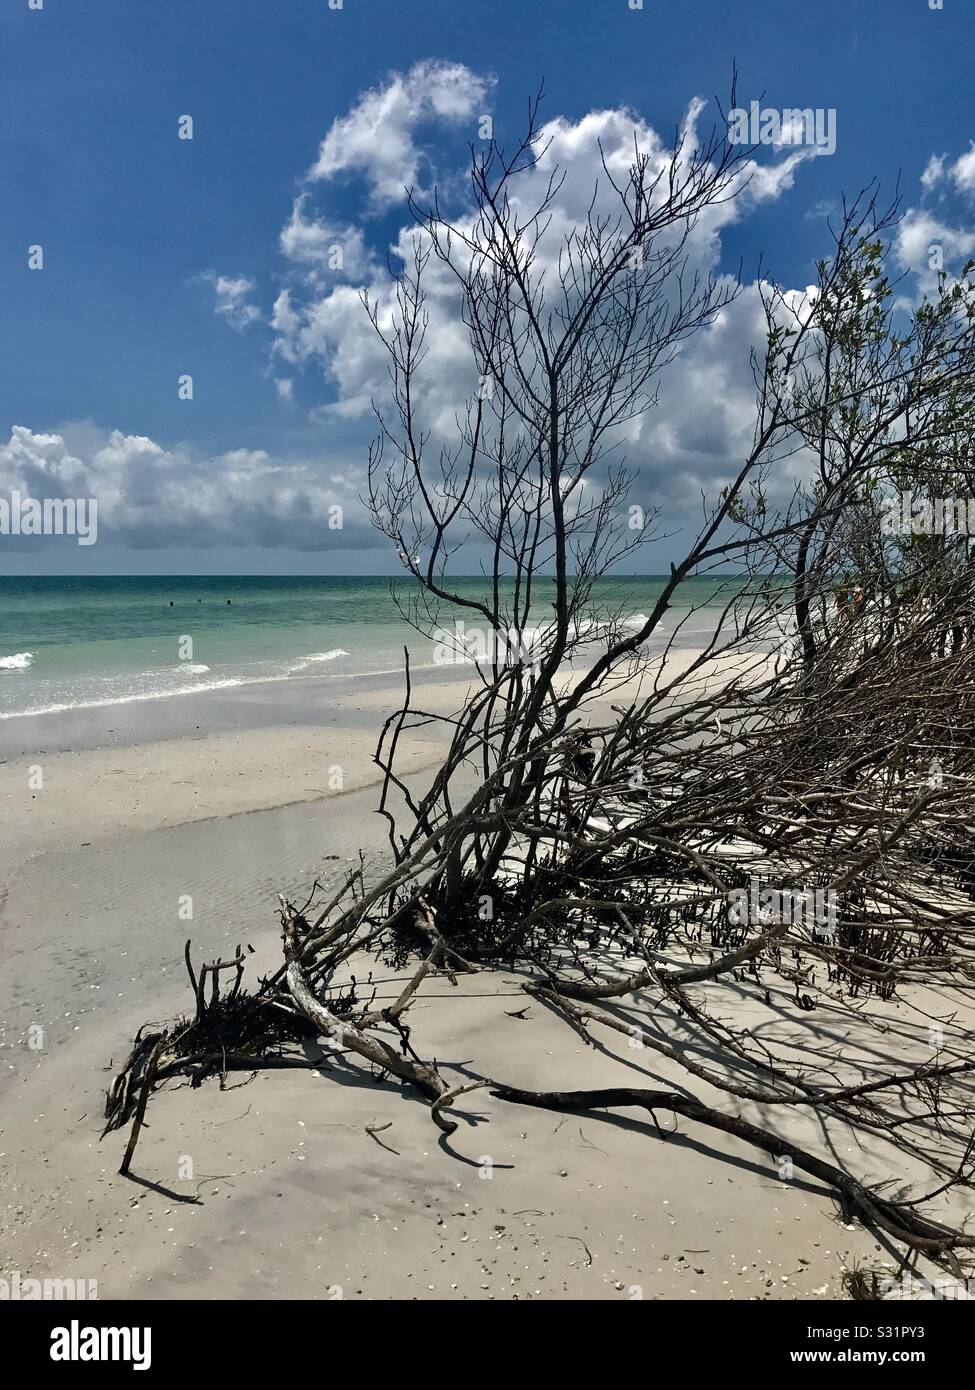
(132, 220)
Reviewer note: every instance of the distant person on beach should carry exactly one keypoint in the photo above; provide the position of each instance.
(850, 598)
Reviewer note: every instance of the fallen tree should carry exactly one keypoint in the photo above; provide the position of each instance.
(788, 807)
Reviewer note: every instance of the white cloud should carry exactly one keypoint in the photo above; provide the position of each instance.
(150, 497)
(920, 231)
(333, 330)
(934, 172)
(705, 415)
(938, 233)
(233, 299)
(324, 325)
(376, 138)
(942, 176)
(324, 246)
(963, 172)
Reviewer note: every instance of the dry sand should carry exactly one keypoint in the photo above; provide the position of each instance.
(293, 1197)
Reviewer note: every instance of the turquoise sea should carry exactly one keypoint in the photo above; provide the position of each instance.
(70, 643)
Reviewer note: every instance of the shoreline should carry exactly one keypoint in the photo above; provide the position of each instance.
(272, 1187)
(277, 702)
(109, 772)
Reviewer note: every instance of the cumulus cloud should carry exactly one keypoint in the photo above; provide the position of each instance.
(377, 138)
(938, 233)
(934, 172)
(154, 498)
(943, 173)
(328, 257)
(324, 246)
(323, 326)
(333, 330)
(920, 233)
(963, 171)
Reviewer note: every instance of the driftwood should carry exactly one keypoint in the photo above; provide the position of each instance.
(140, 1109)
(894, 1218)
(788, 807)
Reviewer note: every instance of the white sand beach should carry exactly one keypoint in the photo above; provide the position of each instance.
(273, 1186)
